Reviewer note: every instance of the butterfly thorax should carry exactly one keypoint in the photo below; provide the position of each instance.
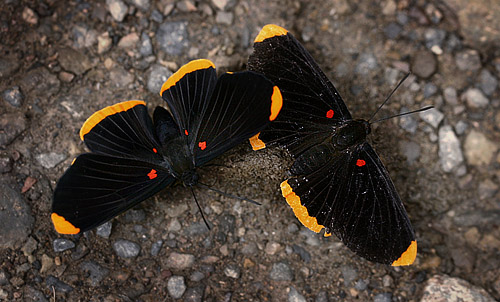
(351, 133)
(177, 159)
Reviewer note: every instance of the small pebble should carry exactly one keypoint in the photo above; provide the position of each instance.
(295, 296)
(475, 98)
(176, 286)
(180, 261)
(432, 116)
(60, 245)
(13, 96)
(281, 272)
(450, 95)
(126, 249)
(383, 297)
(468, 60)
(487, 82)
(118, 9)
(232, 271)
(59, 285)
(172, 37)
(104, 230)
(450, 153)
(158, 75)
(479, 149)
(50, 160)
(424, 64)
(156, 247)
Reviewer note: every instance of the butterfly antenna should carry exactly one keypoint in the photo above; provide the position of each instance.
(199, 208)
(229, 195)
(404, 113)
(392, 92)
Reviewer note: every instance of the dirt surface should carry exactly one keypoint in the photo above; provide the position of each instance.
(60, 61)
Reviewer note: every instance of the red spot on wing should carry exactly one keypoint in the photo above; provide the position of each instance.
(202, 145)
(360, 163)
(152, 174)
(186, 132)
(154, 150)
(329, 114)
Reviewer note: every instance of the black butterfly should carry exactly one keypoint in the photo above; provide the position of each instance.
(338, 182)
(133, 157)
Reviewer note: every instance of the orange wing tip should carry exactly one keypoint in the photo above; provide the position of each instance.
(276, 103)
(97, 117)
(298, 209)
(408, 256)
(62, 226)
(270, 31)
(185, 69)
(256, 143)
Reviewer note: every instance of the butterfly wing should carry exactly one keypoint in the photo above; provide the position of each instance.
(310, 100)
(186, 93)
(353, 197)
(242, 104)
(217, 114)
(124, 130)
(99, 187)
(123, 169)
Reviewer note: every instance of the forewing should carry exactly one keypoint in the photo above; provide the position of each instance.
(242, 104)
(98, 187)
(309, 99)
(354, 198)
(187, 93)
(123, 130)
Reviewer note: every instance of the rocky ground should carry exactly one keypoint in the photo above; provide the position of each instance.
(62, 60)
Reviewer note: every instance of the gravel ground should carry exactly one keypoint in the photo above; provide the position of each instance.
(62, 60)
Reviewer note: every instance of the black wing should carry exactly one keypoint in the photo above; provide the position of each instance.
(123, 130)
(216, 115)
(187, 92)
(242, 105)
(310, 100)
(98, 187)
(353, 197)
(123, 169)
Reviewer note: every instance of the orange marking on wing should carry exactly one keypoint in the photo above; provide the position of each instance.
(276, 103)
(62, 226)
(256, 143)
(298, 209)
(98, 116)
(185, 69)
(360, 163)
(186, 132)
(202, 145)
(269, 31)
(154, 150)
(330, 113)
(408, 256)
(152, 174)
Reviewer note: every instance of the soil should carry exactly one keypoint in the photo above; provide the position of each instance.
(50, 51)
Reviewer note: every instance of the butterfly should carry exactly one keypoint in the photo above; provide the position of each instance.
(337, 181)
(132, 156)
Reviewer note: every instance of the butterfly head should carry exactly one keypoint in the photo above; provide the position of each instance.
(189, 178)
